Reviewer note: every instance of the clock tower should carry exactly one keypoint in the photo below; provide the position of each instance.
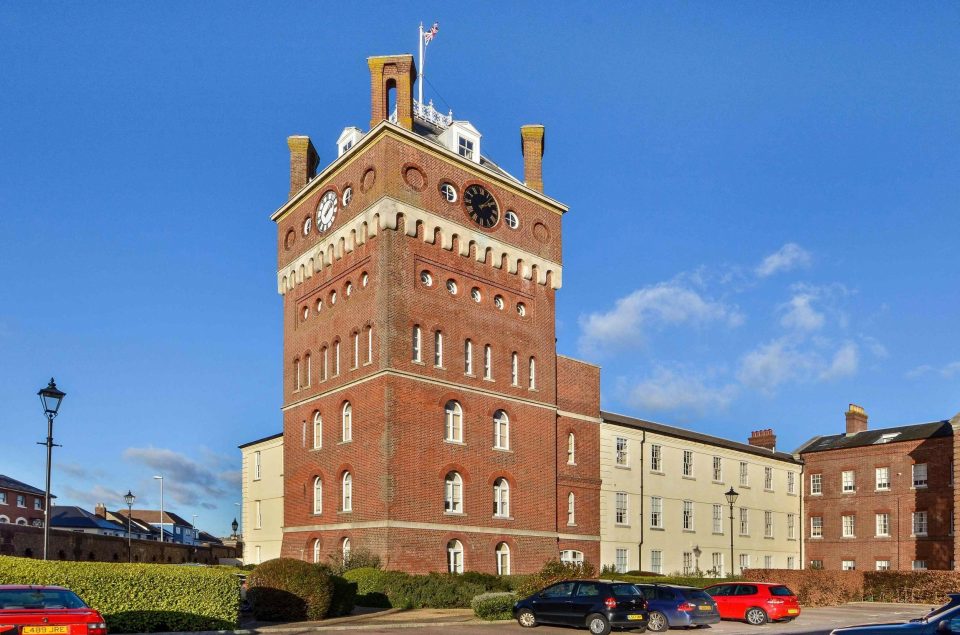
(427, 416)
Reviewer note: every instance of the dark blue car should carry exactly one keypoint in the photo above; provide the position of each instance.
(672, 605)
(945, 619)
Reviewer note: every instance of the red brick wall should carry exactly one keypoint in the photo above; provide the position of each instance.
(937, 548)
(13, 512)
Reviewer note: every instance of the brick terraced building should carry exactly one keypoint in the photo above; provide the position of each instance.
(426, 414)
(880, 499)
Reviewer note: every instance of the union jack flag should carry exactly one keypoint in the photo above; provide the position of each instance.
(432, 33)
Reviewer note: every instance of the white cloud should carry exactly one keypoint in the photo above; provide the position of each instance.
(919, 371)
(877, 349)
(845, 362)
(186, 481)
(783, 360)
(790, 256)
(947, 371)
(667, 303)
(90, 497)
(799, 313)
(951, 369)
(669, 390)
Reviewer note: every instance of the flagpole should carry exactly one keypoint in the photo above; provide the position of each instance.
(420, 70)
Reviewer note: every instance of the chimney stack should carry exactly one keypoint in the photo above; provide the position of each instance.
(303, 162)
(100, 510)
(763, 439)
(392, 72)
(856, 419)
(532, 145)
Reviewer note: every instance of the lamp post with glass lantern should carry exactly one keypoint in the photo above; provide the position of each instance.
(50, 397)
(731, 498)
(128, 499)
(235, 525)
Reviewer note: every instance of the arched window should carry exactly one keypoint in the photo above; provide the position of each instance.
(336, 358)
(4, 519)
(501, 430)
(316, 550)
(21, 521)
(514, 369)
(306, 363)
(347, 493)
(454, 557)
(317, 496)
(487, 362)
(347, 422)
(454, 422)
(571, 556)
(438, 349)
(501, 498)
(416, 343)
(468, 357)
(453, 495)
(571, 449)
(571, 509)
(503, 559)
(369, 344)
(356, 349)
(533, 373)
(296, 374)
(345, 549)
(317, 430)
(326, 363)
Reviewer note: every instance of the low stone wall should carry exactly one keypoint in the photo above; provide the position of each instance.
(27, 542)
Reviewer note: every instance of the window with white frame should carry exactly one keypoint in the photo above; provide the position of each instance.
(346, 420)
(316, 550)
(882, 479)
(369, 344)
(848, 565)
(791, 483)
(688, 515)
(336, 358)
(768, 479)
(256, 469)
(454, 557)
(744, 475)
(816, 484)
(468, 357)
(326, 363)
(621, 561)
(768, 562)
(883, 565)
(816, 527)
(571, 556)
(532, 373)
(656, 512)
(716, 560)
(356, 349)
(791, 563)
(718, 519)
(571, 449)
(345, 549)
(717, 469)
(514, 369)
(501, 498)
(453, 418)
(919, 474)
(768, 524)
(503, 559)
(257, 516)
(919, 565)
(3, 498)
(620, 508)
(317, 495)
(622, 457)
(849, 522)
(656, 561)
(501, 430)
(791, 527)
(317, 430)
(256, 557)
(919, 523)
(453, 493)
(417, 344)
(848, 481)
(346, 492)
(687, 562)
(744, 521)
(571, 509)
(438, 349)
(487, 362)
(688, 463)
(656, 458)
(465, 148)
(883, 524)
(744, 561)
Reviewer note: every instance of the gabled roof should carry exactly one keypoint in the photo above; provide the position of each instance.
(136, 525)
(431, 133)
(690, 435)
(18, 486)
(152, 516)
(913, 432)
(205, 537)
(74, 517)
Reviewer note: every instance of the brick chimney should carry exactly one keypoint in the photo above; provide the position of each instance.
(532, 144)
(303, 162)
(763, 439)
(100, 510)
(392, 72)
(856, 419)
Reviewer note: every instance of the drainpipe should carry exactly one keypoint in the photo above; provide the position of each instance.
(643, 440)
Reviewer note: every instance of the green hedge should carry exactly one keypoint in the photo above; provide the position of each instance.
(344, 596)
(287, 589)
(436, 590)
(140, 598)
(494, 606)
(696, 581)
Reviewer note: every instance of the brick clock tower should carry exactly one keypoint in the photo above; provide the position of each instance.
(427, 417)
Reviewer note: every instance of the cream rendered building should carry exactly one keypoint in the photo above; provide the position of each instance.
(262, 499)
(663, 506)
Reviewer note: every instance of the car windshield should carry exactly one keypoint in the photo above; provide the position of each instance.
(39, 599)
(699, 596)
(625, 590)
(780, 590)
(937, 611)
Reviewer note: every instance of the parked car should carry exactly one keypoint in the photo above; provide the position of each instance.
(47, 610)
(945, 619)
(599, 605)
(755, 602)
(672, 605)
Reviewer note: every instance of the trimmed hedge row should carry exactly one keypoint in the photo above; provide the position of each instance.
(397, 589)
(696, 581)
(494, 606)
(814, 587)
(287, 589)
(819, 587)
(140, 598)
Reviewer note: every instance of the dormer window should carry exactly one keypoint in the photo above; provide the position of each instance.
(465, 148)
(461, 137)
(348, 138)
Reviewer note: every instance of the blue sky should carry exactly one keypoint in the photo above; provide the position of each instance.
(764, 211)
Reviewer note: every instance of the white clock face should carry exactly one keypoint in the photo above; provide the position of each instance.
(326, 211)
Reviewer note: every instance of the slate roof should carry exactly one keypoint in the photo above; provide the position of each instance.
(152, 516)
(18, 486)
(690, 435)
(136, 526)
(271, 437)
(205, 537)
(73, 517)
(428, 131)
(914, 432)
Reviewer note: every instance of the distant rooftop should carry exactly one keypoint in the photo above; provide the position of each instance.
(18, 486)
(912, 432)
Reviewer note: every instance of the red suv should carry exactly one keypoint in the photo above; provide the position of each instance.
(755, 602)
(46, 610)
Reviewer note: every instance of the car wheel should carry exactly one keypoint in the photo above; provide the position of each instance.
(756, 616)
(657, 622)
(526, 618)
(598, 624)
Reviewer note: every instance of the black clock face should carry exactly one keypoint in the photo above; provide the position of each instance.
(481, 206)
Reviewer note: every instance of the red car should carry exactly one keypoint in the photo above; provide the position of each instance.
(46, 610)
(755, 602)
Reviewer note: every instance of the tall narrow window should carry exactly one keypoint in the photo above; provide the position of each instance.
(768, 479)
(687, 463)
(487, 362)
(656, 458)
(316, 550)
(296, 372)
(417, 353)
(514, 369)
(438, 349)
(622, 456)
(347, 422)
(336, 358)
(816, 526)
(503, 559)
(768, 524)
(468, 357)
(718, 519)
(453, 493)
(791, 483)
(501, 498)
(744, 475)
(345, 549)
(501, 430)
(308, 366)
(571, 449)
(258, 517)
(356, 349)
(317, 431)
(346, 495)
(571, 509)
(317, 496)
(454, 557)
(744, 521)
(369, 344)
(717, 469)
(326, 363)
(256, 466)
(620, 509)
(688, 515)
(791, 526)
(533, 373)
(454, 422)
(920, 475)
(816, 484)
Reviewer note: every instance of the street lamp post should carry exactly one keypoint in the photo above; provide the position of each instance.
(50, 397)
(196, 534)
(731, 498)
(129, 498)
(161, 506)
(235, 526)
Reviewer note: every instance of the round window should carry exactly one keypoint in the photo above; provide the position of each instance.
(449, 192)
(426, 278)
(348, 289)
(452, 287)
(364, 280)
(475, 294)
(333, 298)
(306, 312)
(498, 302)
(521, 309)
(319, 304)
(307, 224)
(510, 218)
(347, 195)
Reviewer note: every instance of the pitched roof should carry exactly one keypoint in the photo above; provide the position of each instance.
(270, 438)
(152, 516)
(135, 524)
(690, 435)
(205, 537)
(18, 486)
(78, 518)
(913, 432)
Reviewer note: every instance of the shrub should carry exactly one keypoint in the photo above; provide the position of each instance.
(488, 581)
(910, 586)
(402, 590)
(286, 589)
(372, 584)
(493, 606)
(358, 558)
(344, 596)
(814, 587)
(140, 598)
(696, 581)
(554, 571)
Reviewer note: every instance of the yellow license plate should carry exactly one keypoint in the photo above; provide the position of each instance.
(792, 611)
(706, 607)
(634, 617)
(45, 630)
